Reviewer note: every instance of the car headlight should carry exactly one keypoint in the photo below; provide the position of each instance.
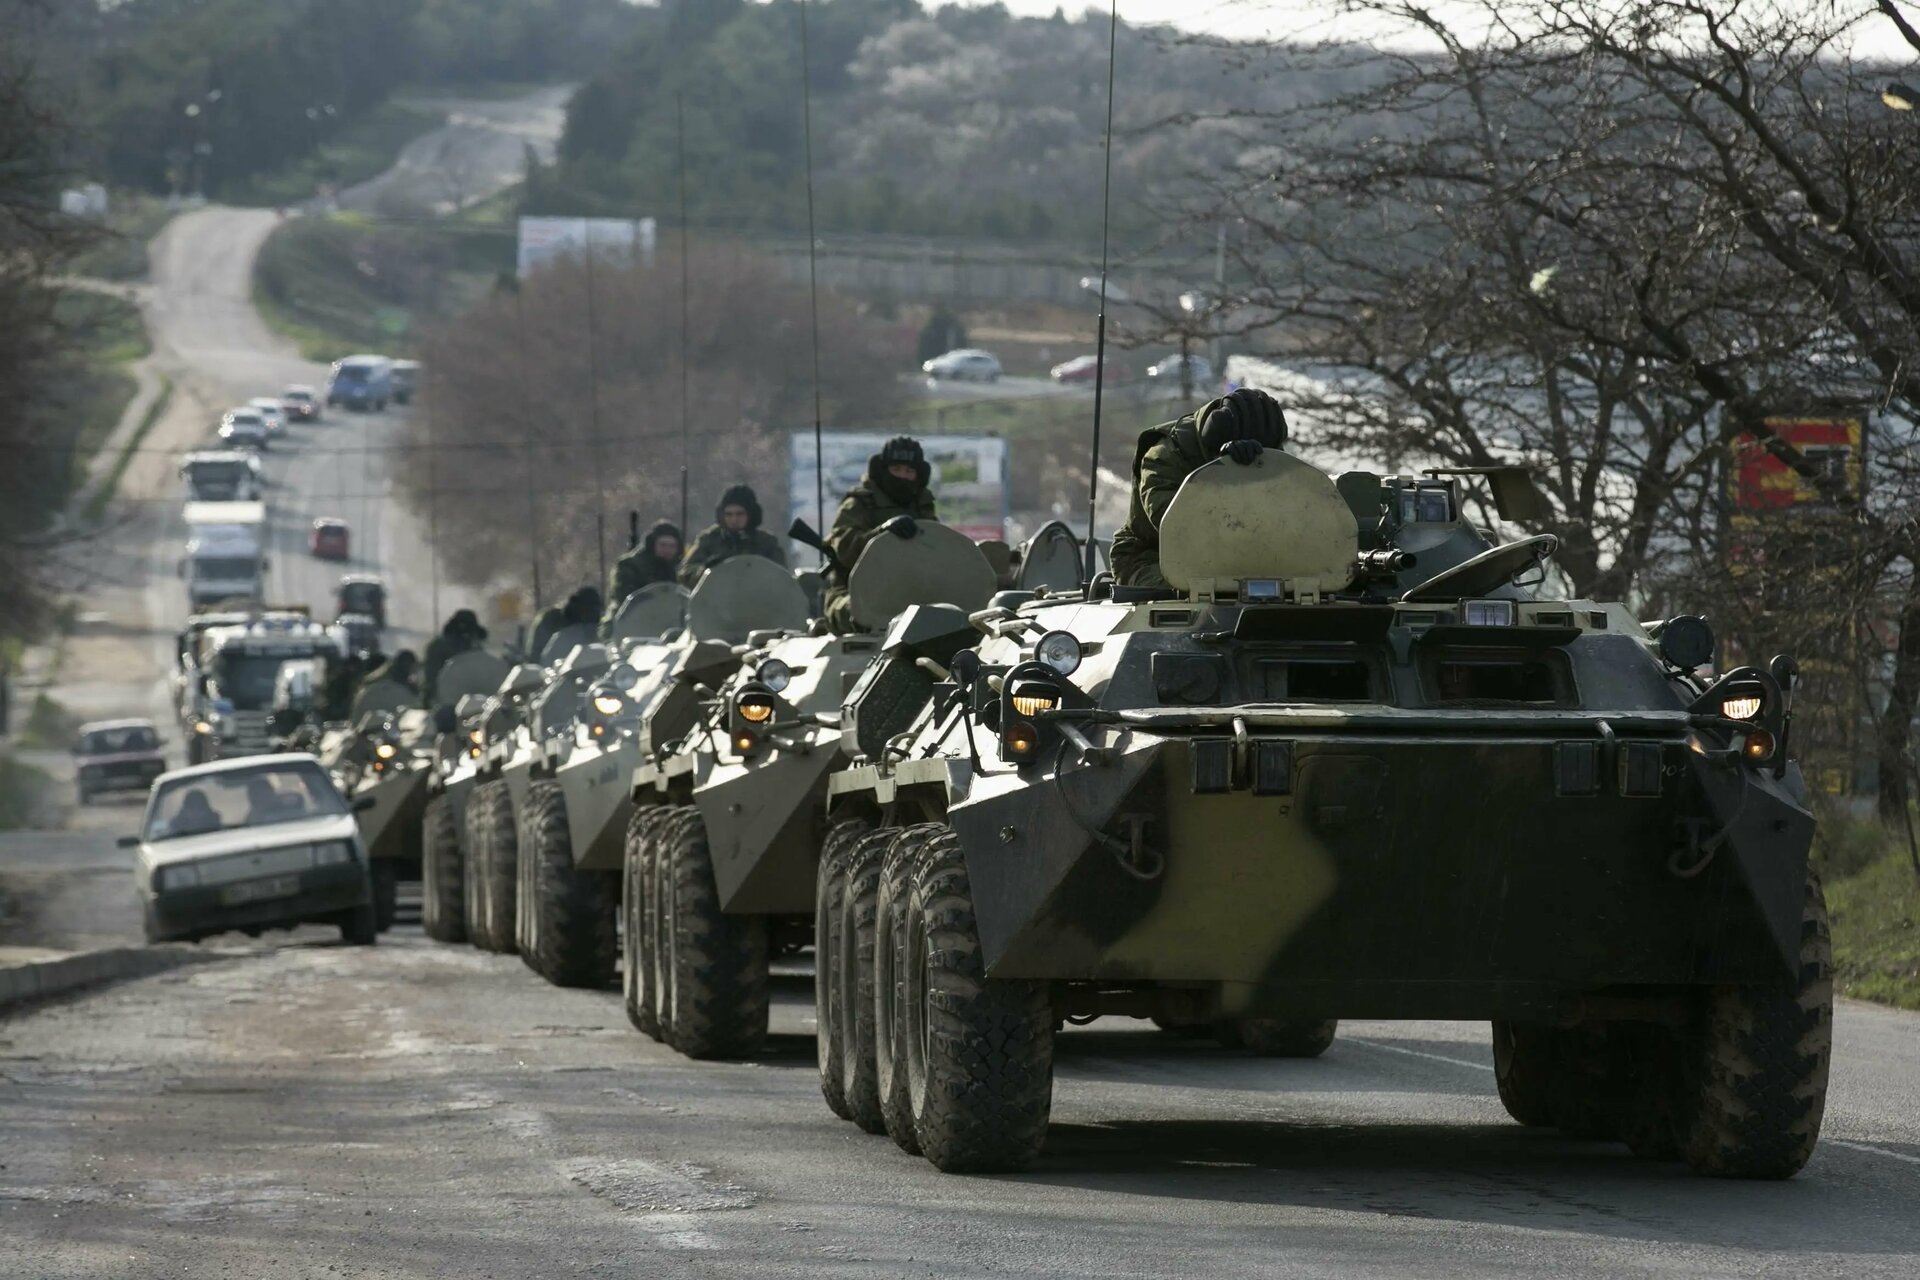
(333, 853)
(386, 751)
(1743, 706)
(180, 876)
(774, 674)
(1059, 650)
(608, 704)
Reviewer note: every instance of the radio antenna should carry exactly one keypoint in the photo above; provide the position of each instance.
(813, 274)
(680, 120)
(1100, 340)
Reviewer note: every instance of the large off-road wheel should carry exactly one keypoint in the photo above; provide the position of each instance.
(979, 1050)
(897, 870)
(1573, 1079)
(497, 868)
(717, 994)
(1523, 1071)
(854, 940)
(827, 988)
(360, 927)
(639, 979)
(443, 912)
(1753, 1068)
(474, 883)
(1281, 1038)
(386, 891)
(575, 939)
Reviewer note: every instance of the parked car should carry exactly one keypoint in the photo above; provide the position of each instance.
(361, 593)
(1168, 371)
(116, 755)
(243, 428)
(1082, 369)
(268, 407)
(405, 380)
(329, 539)
(301, 402)
(260, 842)
(968, 364)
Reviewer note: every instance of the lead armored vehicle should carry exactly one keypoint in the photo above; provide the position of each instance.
(451, 768)
(1347, 766)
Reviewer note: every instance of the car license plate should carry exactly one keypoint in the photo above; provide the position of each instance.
(256, 890)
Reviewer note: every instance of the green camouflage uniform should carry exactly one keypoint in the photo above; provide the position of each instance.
(867, 506)
(1166, 456)
(717, 542)
(638, 568)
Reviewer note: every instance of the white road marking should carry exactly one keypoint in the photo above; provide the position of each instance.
(1416, 1053)
(1872, 1150)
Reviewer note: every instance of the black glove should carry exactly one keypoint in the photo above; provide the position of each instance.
(1242, 451)
(1246, 414)
(902, 527)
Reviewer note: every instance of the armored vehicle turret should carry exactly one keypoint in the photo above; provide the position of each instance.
(732, 845)
(1350, 766)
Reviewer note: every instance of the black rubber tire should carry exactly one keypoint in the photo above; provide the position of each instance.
(576, 937)
(525, 927)
(360, 927)
(1753, 1069)
(473, 884)
(828, 988)
(658, 942)
(1280, 1038)
(854, 970)
(979, 1050)
(497, 868)
(1588, 1083)
(889, 965)
(386, 891)
(443, 911)
(1523, 1071)
(640, 987)
(719, 999)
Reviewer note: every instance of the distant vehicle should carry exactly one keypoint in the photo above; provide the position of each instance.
(361, 382)
(1082, 369)
(1200, 373)
(968, 364)
(406, 380)
(231, 702)
(225, 475)
(226, 552)
(249, 845)
(301, 402)
(116, 755)
(271, 412)
(329, 539)
(244, 428)
(357, 633)
(361, 593)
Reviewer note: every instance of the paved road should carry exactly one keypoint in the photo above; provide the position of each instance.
(480, 150)
(419, 1110)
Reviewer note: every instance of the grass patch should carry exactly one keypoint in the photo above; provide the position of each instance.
(1873, 894)
(106, 327)
(348, 283)
(97, 505)
(362, 150)
(132, 224)
(26, 795)
(50, 726)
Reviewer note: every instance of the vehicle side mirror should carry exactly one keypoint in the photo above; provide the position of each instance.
(364, 803)
(127, 842)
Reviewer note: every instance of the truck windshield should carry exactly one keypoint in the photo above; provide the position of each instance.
(351, 373)
(247, 678)
(204, 475)
(226, 568)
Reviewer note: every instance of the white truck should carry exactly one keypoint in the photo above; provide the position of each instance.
(226, 552)
(221, 475)
(242, 678)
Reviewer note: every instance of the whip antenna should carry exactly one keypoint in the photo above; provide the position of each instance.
(813, 274)
(1100, 340)
(680, 120)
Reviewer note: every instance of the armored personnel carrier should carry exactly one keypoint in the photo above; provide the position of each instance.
(487, 838)
(1328, 775)
(727, 866)
(450, 770)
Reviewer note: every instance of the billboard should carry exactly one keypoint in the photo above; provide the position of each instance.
(1760, 481)
(619, 239)
(969, 479)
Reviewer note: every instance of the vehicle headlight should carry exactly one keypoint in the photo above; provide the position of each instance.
(774, 674)
(182, 875)
(755, 708)
(1059, 650)
(202, 726)
(1743, 706)
(333, 853)
(608, 704)
(477, 736)
(386, 751)
(1487, 613)
(1032, 699)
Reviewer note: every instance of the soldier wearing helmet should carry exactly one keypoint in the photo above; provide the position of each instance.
(1238, 426)
(735, 531)
(895, 485)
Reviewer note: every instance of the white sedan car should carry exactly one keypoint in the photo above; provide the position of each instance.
(261, 842)
(271, 411)
(243, 428)
(968, 364)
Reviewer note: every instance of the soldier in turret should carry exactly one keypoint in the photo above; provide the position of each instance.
(895, 485)
(1239, 426)
(736, 531)
(655, 559)
(461, 634)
